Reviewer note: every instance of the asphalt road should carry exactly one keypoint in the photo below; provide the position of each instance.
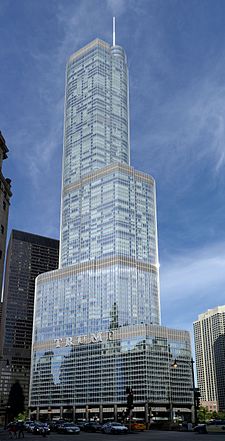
(152, 435)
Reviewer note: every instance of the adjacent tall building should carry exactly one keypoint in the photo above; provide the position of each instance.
(96, 322)
(28, 255)
(1, 304)
(209, 336)
(5, 195)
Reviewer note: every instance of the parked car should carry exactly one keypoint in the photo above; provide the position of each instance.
(115, 428)
(200, 428)
(92, 426)
(210, 427)
(55, 424)
(216, 426)
(80, 424)
(69, 428)
(44, 429)
(31, 426)
(39, 428)
(138, 425)
(27, 423)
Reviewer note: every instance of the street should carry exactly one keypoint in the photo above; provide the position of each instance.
(152, 435)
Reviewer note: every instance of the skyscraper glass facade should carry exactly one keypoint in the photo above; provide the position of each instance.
(96, 110)
(94, 369)
(98, 308)
(28, 255)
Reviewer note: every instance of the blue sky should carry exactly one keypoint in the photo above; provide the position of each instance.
(176, 54)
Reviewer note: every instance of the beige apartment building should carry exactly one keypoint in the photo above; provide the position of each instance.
(209, 338)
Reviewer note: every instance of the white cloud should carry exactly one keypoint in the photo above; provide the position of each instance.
(187, 128)
(117, 7)
(191, 282)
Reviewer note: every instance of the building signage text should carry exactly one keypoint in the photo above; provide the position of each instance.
(83, 339)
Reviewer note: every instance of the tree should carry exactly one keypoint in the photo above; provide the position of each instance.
(221, 415)
(22, 416)
(203, 414)
(16, 400)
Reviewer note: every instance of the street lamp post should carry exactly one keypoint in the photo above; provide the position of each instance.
(130, 399)
(7, 408)
(171, 366)
(195, 419)
(148, 413)
(195, 390)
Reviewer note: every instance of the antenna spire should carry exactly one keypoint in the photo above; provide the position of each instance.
(114, 31)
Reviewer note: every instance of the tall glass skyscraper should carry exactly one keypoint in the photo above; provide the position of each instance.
(108, 208)
(95, 317)
(28, 255)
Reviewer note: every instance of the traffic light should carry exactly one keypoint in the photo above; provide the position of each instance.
(123, 414)
(130, 398)
(197, 398)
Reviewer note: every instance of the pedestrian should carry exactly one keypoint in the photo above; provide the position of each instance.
(12, 430)
(20, 429)
(9, 429)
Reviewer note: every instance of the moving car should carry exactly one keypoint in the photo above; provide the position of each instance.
(115, 428)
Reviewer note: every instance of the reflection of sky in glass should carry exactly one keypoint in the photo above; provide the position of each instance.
(102, 370)
(84, 302)
(179, 349)
(55, 368)
(132, 344)
(118, 218)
